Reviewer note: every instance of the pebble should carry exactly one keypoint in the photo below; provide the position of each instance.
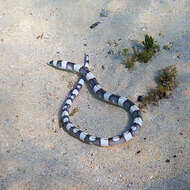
(110, 52)
(140, 98)
(129, 185)
(104, 13)
(166, 47)
(94, 25)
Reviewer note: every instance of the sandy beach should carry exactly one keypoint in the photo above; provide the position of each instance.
(35, 153)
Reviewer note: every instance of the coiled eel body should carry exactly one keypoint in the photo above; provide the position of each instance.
(86, 76)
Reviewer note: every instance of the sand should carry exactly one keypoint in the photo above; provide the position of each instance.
(35, 153)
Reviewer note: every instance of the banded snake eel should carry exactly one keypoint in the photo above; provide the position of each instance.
(86, 76)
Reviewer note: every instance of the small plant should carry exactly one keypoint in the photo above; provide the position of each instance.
(125, 52)
(129, 60)
(150, 48)
(166, 83)
(167, 78)
(75, 110)
(148, 42)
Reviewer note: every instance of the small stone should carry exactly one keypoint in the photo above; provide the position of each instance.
(40, 36)
(140, 98)
(166, 47)
(94, 25)
(129, 185)
(110, 52)
(104, 13)
(109, 42)
(116, 44)
(85, 44)
(70, 84)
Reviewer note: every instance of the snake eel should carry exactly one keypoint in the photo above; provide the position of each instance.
(86, 76)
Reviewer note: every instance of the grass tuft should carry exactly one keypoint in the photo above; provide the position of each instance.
(166, 84)
(75, 110)
(150, 48)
